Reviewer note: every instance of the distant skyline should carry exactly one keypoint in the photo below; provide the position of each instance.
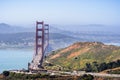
(61, 12)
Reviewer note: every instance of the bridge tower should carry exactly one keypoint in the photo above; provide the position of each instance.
(41, 44)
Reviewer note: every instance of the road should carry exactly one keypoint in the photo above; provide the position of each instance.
(78, 73)
(104, 75)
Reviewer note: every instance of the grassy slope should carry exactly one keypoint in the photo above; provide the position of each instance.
(78, 54)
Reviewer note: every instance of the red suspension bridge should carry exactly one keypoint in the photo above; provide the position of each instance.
(41, 44)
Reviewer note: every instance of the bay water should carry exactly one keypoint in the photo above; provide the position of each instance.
(15, 59)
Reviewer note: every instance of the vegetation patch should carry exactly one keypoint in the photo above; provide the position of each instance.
(76, 56)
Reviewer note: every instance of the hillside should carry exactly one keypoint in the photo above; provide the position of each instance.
(77, 55)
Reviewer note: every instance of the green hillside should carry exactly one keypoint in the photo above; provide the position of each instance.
(75, 57)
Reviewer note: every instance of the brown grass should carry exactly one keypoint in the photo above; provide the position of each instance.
(55, 56)
(65, 50)
(74, 54)
(1, 76)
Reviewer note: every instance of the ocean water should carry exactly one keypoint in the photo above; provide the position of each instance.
(15, 59)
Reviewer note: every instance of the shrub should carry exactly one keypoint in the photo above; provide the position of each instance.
(6, 73)
(86, 77)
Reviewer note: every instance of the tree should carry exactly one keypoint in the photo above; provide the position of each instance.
(95, 66)
(103, 66)
(88, 67)
(6, 73)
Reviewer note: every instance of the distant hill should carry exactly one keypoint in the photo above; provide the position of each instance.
(77, 55)
(27, 40)
(92, 28)
(6, 28)
(18, 36)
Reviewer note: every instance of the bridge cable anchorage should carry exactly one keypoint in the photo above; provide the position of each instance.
(41, 44)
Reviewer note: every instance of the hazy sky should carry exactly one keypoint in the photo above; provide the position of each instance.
(24, 12)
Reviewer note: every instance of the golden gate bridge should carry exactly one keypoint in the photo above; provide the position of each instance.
(41, 44)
